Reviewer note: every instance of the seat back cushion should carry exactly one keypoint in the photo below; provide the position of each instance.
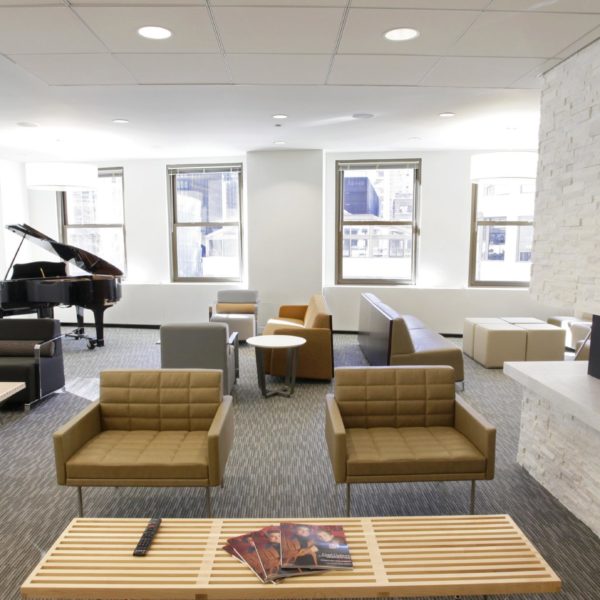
(29, 329)
(238, 296)
(159, 400)
(24, 348)
(193, 346)
(317, 314)
(237, 308)
(401, 342)
(395, 396)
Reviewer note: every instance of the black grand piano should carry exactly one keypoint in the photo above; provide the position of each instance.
(40, 286)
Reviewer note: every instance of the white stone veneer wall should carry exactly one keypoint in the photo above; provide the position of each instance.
(566, 250)
(561, 452)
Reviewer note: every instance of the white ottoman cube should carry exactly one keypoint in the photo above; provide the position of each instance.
(469, 325)
(544, 342)
(496, 343)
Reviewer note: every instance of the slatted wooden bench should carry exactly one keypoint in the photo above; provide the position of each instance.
(396, 556)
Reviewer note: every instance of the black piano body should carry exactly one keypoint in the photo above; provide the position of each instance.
(40, 286)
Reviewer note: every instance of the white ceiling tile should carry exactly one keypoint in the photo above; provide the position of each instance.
(423, 4)
(44, 29)
(379, 70)
(280, 69)
(291, 30)
(176, 68)
(75, 69)
(572, 6)
(479, 72)
(588, 38)
(363, 33)
(105, 3)
(117, 28)
(523, 34)
(303, 3)
(534, 80)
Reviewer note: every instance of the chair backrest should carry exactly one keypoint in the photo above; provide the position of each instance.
(395, 396)
(317, 314)
(401, 341)
(159, 400)
(238, 296)
(19, 336)
(194, 346)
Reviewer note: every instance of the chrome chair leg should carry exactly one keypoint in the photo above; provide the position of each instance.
(347, 499)
(473, 491)
(80, 500)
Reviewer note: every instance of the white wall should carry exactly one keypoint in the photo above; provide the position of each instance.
(285, 212)
(289, 234)
(13, 210)
(441, 296)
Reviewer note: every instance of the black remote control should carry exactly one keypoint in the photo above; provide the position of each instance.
(147, 537)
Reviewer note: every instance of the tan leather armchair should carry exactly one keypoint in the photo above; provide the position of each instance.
(395, 424)
(312, 322)
(155, 428)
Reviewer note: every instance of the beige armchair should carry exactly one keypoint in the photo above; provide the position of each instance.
(312, 322)
(397, 424)
(155, 428)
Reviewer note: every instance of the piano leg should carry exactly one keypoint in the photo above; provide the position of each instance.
(99, 319)
(80, 327)
(46, 312)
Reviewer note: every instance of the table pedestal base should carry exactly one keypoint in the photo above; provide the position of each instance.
(290, 377)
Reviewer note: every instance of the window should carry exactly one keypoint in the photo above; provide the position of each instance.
(502, 232)
(377, 221)
(93, 219)
(206, 222)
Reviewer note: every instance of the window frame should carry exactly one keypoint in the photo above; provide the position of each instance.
(473, 281)
(63, 218)
(172, 171)
(414, 163)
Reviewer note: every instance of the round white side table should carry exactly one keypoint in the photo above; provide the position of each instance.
(276, 342)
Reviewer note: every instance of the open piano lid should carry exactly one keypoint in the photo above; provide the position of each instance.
(80, 258)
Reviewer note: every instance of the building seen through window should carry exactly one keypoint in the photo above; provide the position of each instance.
(377, 224)
(206, 222)
(93, 220)
(502, 232)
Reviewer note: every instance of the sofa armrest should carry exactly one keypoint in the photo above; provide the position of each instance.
(478, 431)
(293, 311)
(335, 436)
(72, 436)
(220, 441)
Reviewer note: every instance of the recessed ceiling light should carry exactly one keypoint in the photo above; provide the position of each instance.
(279, 142)
(152, 32)
(414, 139)
(27, 124)
(447, 115)
(280, 116)
(120, 121)
(401, 34)
(363, 116)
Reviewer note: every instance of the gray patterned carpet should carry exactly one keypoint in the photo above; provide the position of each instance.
(278, 468)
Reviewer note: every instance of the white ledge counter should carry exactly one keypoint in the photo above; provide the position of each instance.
(559, 441)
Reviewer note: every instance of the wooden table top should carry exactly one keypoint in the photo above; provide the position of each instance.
(393, 556)
(10, 388)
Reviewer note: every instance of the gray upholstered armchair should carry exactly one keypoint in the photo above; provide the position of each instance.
(237, 308)
(31, 351)
(201, 346)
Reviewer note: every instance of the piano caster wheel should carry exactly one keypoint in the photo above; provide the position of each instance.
(91, 344)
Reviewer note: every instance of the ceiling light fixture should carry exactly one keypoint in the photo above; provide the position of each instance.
(447, 115)
(401, 34)
(279, 142)
(280, 116)
(414, 139)
(61, 176)
(120, 121)
(29, 124)
(153, 32)
(363, 116)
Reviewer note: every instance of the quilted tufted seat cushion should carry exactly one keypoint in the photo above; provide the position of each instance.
(411, 451)
(142, 454)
